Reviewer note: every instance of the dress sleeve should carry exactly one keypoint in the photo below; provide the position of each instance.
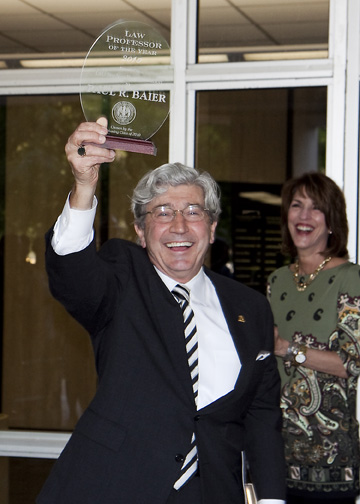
(346, 338)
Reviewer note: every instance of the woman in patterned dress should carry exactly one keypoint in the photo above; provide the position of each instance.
(316, 307)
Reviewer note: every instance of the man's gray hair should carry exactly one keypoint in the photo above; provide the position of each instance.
(156, 182)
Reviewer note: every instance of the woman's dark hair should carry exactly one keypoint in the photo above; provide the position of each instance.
(329, 198)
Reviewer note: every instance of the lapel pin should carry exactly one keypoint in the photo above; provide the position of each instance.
(241, 318)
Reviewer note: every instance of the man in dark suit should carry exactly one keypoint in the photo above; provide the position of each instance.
(170, 418)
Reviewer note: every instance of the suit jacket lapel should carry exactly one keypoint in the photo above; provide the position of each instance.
(238, 316)
(170, 324)
(169, 321)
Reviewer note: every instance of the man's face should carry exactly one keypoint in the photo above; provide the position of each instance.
(177, 248)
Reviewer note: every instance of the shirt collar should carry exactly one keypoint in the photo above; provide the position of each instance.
(196, 284)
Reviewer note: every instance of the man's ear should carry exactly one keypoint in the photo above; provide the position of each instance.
(212, 232)
(141, 235)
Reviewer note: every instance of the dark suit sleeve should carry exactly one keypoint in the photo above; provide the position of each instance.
(264, 444)
(83, 283)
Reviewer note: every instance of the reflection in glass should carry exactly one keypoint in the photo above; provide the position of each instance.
(55, 48)
(262, 30)
(251, 141)
(48, 374)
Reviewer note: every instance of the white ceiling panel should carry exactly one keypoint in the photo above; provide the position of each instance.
(299, 13)
(85, 7)
(15, 7)
(33, 22)
(274, 3)
(97, 24)
(220, 17)
(145, 5)
(287, 34)
(65, 38)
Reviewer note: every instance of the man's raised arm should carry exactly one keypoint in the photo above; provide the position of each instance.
(85, 159)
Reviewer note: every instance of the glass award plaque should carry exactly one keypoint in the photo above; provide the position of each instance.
(121, 80)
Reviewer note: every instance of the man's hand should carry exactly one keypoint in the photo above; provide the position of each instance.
(86, 168)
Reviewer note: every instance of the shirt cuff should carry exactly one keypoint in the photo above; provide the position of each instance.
(74, 229)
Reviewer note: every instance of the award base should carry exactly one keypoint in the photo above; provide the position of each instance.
(130, 145)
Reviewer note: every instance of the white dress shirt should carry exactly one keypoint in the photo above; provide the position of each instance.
(219, 363)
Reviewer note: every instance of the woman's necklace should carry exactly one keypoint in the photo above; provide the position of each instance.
(300, 284)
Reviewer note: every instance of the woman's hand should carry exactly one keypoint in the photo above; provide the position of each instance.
(324, 361)
(280, 345)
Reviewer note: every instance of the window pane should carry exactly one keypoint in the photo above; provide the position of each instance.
(48, 369)
(41, 347)
(262, 30)
(47, 32)
(251, 141)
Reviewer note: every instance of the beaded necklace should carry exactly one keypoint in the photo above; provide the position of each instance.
(301, 285)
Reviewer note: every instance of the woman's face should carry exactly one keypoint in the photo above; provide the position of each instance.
(307, 225)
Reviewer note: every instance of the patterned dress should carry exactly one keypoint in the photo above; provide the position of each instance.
(319, 410)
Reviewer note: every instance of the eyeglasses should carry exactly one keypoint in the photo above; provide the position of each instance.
(165, 214)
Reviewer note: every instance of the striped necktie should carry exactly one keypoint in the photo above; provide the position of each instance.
(182, 296)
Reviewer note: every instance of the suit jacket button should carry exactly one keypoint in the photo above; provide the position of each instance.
(197, 417)
(179, 457)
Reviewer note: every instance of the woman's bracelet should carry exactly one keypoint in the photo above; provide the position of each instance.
(295, 354)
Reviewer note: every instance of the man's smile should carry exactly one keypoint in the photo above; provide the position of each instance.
(179, 244)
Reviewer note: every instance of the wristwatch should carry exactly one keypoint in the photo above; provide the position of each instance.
(296, 354)
(300, 356)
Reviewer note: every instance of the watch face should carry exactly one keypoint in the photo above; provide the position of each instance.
(300, 358)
